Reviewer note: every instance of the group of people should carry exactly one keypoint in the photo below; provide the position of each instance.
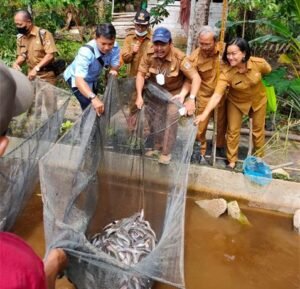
(200, 82)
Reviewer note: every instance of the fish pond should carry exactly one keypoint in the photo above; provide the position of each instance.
(219, 253)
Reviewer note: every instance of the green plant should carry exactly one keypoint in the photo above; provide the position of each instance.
(65, 126)
(287, 90)
(67, 49)
(123, 71)
(159, 12)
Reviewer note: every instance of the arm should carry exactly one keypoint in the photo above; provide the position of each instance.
(191, 73)
(85, 90)
(18, 63)
(265, 67)
(21, 56)
(139, 84)
(127, 54)
(222, 84)
(190, 103)
(115, 61)
(54, 264)
(49, 57)
(184, 91)
(213, 102)
(49, 49)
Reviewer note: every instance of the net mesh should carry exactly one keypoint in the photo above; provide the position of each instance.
(97, 173)
(31, 135)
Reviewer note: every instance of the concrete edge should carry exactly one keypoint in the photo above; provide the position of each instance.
(279, 195)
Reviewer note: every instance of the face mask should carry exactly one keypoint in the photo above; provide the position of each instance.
(22, 30)
(141, 34)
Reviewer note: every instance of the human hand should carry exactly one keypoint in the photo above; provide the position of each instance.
(139, 102)
(16, 66)
(113, 72)
(200, 118)
(54, 264)
(190, 106)
(32, 74)
(98, 105)
(136, 47)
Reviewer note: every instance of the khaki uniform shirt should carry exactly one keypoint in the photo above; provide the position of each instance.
(245, 89)
(131, 58)
(176, 67)
(32, 48)
(207, 68)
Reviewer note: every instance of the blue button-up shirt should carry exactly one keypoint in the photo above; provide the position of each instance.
(87, 66)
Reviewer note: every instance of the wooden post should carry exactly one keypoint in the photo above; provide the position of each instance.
(222, 36)
(189, 47)
(250, 137)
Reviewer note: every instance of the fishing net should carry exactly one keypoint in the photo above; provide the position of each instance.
(31, 134)
(117, 213)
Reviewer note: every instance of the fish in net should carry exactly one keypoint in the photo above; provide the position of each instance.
(98, 173)
(128, 240)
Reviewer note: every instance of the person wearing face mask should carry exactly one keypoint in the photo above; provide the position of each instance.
(35, 46)
(241, 76)
(170, 69)
(82, 74)
(136, 42)
(206, 59)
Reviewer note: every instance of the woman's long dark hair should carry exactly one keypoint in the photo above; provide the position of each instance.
(242, 44)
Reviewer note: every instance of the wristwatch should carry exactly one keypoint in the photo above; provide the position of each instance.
(91, 95)
(37, 68)
(192, 96)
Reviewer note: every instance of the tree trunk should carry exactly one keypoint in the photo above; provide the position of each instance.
(199, 18)
(101, 10)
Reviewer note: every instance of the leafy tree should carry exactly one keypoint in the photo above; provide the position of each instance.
(159, 12)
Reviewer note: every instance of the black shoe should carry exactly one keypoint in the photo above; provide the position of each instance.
(203, 161)
(220, 152)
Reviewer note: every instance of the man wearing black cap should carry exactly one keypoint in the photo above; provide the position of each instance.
(169, 68)
(136, 42)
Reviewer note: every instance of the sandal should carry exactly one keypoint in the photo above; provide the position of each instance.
(231, 166)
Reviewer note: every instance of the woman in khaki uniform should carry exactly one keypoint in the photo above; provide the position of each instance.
(170, 68)
(246, 95)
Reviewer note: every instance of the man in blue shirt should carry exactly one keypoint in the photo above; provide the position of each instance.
(82, 74)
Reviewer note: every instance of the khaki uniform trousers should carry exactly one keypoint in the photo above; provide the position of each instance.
(234, 118)
(221, 127)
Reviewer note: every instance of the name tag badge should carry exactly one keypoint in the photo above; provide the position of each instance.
(160, 79)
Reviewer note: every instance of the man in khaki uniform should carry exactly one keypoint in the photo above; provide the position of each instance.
(136, 42)
(36, 47)
(170, 68)
(206, 59)
(242, 76)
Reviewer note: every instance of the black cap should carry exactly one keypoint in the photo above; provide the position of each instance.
(142, 17)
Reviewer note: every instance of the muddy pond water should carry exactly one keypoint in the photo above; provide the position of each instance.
(219, 253)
